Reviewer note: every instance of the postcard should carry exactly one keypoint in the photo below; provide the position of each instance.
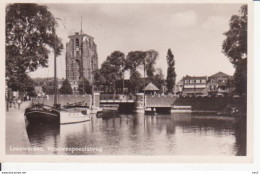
(122, 81)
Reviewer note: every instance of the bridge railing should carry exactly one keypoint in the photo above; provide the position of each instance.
(116, 97)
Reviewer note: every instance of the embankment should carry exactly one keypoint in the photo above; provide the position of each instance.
(212, 103)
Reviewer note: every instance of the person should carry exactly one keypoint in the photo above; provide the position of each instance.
(19, 101)
(14, 103)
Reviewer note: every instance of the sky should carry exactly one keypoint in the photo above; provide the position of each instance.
(194, 33)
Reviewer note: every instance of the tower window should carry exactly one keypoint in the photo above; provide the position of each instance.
(77, 42)
(89, 43)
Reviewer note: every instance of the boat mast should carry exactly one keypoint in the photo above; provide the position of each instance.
(92, 76)
(81, 56)
(55, 71)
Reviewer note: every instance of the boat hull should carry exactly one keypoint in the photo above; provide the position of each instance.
(69, 117)
(42, 116)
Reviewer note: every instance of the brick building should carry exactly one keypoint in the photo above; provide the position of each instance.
(217, 84)
(194, 86)
(81, 59)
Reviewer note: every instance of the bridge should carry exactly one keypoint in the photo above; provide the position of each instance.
(152, 102)
(116, 99)
(117, 102)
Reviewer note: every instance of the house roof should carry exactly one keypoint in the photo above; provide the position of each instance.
(151, 87)
(219, 74)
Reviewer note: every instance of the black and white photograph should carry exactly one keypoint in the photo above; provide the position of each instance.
(127, 79)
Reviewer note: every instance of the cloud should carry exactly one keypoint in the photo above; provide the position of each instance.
(216, 22)
(184, 19)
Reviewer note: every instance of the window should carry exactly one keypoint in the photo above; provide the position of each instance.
(191, 81)
(197, 81)
(77, 42)
(203, 81)
(186, 81)
(89, 43)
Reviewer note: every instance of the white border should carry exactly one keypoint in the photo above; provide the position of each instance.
(141, 158)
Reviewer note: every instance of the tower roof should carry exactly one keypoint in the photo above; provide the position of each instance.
(151, 87)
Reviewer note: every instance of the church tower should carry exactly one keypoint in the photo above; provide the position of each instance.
(81, 59)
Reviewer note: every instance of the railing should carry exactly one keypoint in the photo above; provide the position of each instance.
(116, 97)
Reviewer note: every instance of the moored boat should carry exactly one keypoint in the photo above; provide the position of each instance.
(70, 116)
(41, 114)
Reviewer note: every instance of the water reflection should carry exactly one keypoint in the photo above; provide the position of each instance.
(138, 134)
(43, 136)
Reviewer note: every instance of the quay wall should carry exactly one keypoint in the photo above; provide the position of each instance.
(212, 103)
(160, 100)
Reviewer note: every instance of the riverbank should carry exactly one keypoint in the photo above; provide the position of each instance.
(213, 104)
(16, 135)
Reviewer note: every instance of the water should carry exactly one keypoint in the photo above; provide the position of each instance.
(139, 134)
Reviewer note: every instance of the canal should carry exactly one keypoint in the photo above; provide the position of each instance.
(138, 134)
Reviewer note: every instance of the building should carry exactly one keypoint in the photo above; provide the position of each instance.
(81, 59)
(194, 86)
(178, 87)
(38, 90)
(217, 84)
(151, 89)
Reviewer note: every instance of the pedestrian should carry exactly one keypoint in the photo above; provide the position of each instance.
(10, 102)
(19, 101)
(14, 103)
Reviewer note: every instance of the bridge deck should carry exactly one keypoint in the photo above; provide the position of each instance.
(117, 101)
(158, 106)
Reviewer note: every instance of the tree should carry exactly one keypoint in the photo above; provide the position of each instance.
(84, 87)
(65, 88)
(48, 87)
(158, 79)
(23, 83)
(134, 60)
(30, 33)
(235, 48)
(99, 78)
(150, 60)
(171, 75)
(136, 82)
(111, 70)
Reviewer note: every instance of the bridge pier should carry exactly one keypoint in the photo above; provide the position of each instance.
(140, 108)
